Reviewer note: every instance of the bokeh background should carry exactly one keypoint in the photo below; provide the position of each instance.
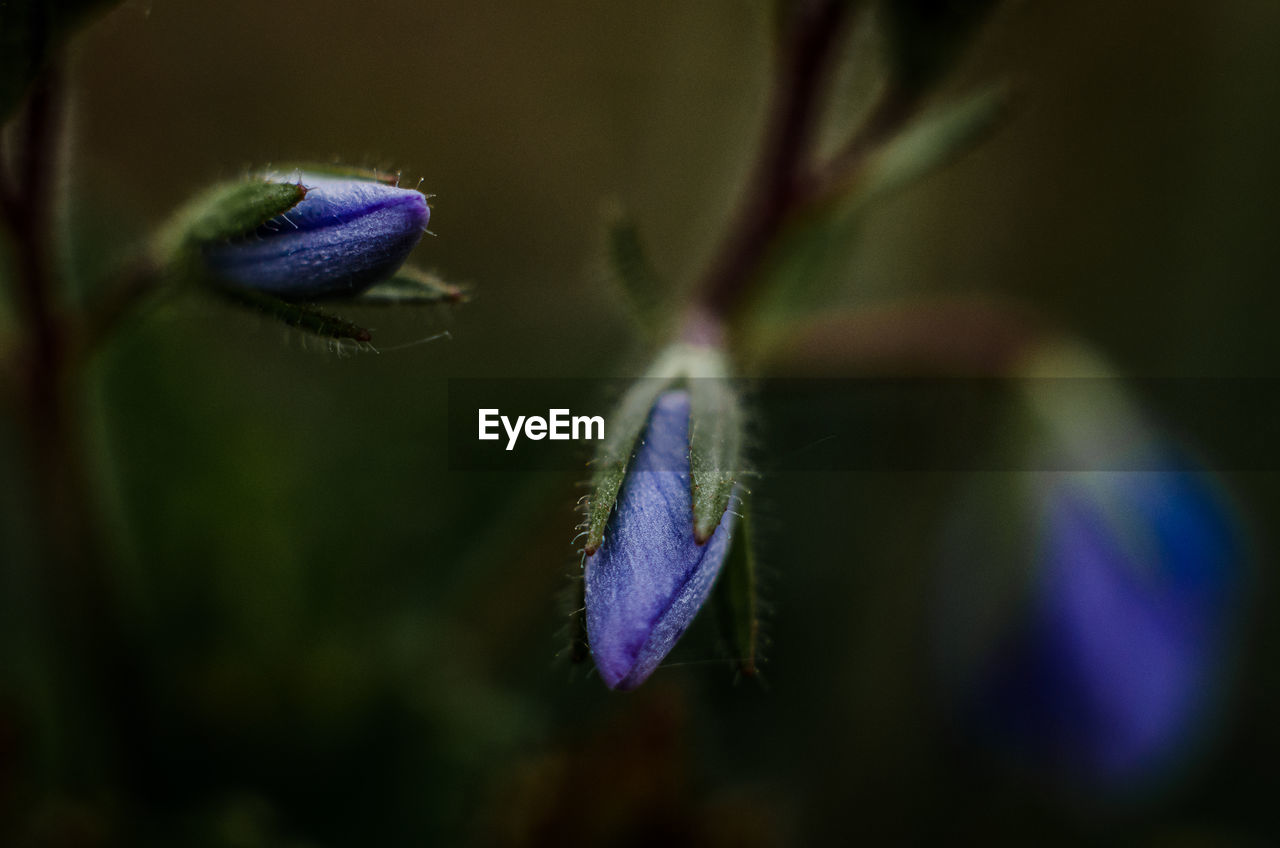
(341, 641)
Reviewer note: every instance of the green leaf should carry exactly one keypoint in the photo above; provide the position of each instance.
(715, 451)
(300, 316)
(648, 294)
(737, 599)
(225, 211)
(623, 431)
(30, 32)
(412, 287)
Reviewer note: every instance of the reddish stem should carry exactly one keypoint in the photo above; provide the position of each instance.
(81, 594)
(774, 189)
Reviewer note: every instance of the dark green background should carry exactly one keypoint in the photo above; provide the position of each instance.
(346, 644)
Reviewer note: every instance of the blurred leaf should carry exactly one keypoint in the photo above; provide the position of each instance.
(30, 32)
(715, 451)
(410, 287)
(737, 599)
(985, 545)
(926, 37)
(930, 143)
(803, 264)
(300, 316)
(647, 293)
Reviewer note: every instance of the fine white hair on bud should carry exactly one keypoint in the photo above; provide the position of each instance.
(343, 236)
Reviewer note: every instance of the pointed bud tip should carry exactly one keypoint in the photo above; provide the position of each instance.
(649, 578)
(342, 236)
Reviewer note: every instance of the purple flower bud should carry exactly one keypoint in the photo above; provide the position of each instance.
(344, 236)
(1107, 667)
(649, 578)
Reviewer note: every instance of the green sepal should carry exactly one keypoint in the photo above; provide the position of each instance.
(737, 599)
(30, 32)
(926, 37)
(610, 465)
(300, 316)
(412, 287)
(579, 647)
(647, 292)
(715, 437)
(715, 451)
(294, 170)
(222, 212)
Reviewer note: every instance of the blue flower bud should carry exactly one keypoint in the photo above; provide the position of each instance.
(344, 236)
(1088, 615)
(649, 577)
(1136, 572)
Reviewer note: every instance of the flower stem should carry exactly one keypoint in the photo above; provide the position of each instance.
(28, 211)
(774, 190)
(786, 181)
(48, 362)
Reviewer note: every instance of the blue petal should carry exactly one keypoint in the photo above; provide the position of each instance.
(650, 577)
(342, 238)
(1116, 666)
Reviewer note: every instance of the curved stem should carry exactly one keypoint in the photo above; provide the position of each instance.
(774, 189)
(48, 363)
(894, 107)
(28, 207)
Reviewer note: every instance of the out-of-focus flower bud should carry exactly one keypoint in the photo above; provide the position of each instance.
(650, 576)
(1088, 613)
(342, 236)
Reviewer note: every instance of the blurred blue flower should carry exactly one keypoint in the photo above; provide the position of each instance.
(649, 578)
(1105, 659)
(345, 235)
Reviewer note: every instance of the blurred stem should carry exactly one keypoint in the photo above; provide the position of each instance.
(28, 208)
(894, 107)
(805, 48)
(48, 365)
(43, 366)
(786, 182)
(702, 327)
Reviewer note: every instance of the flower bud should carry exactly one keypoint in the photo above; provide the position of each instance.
(343, 236)
(1088, 613)
(650, 576)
